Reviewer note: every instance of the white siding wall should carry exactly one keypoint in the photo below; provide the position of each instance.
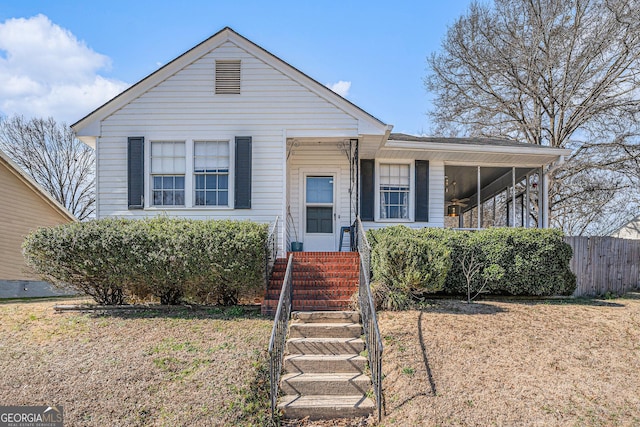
(436, 201)
(184, 107)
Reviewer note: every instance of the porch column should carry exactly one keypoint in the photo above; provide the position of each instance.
(544, 202)
(513, 196)
(478, 199)
(528, 205)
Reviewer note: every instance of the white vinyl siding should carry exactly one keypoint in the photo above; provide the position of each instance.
(271, 107)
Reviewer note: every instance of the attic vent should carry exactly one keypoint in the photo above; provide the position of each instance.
(228, 77)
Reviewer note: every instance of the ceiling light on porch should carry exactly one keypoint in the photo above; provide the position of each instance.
(453, 210)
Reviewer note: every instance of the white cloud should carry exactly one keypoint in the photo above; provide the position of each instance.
(341, 88)
(46, 71)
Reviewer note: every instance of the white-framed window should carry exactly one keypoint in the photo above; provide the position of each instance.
(211, 173)
(168, 168)
(394, 190)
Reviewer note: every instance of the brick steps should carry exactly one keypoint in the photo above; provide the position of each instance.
(321, 281)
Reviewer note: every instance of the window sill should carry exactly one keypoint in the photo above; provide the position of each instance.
(191, 208)
(394, 220)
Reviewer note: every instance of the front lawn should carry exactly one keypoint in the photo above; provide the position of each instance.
(505, 363)
(563, 363)
(166, 368)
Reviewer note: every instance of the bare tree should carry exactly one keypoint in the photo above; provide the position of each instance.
(55, 158)
(560, 73)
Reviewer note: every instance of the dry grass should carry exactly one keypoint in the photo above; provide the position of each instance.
(574, 363)
(180, 367)
(571, 363)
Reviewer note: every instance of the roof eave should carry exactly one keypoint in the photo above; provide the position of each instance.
(477, 148)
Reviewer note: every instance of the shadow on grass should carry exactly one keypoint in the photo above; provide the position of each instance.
(432, 392)
(239, 312)
(594, 302)
(456, 306)
(485, 305)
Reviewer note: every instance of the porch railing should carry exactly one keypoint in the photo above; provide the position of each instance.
(279, 334)
(271, 252)
(369, 317)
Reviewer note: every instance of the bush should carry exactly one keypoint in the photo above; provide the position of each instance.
(531, 262)
(171, 259)
(408, 264)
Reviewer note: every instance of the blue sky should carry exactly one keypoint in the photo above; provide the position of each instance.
(80, 53)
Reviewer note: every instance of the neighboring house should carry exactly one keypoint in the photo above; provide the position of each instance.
(628, 230)
(228, 130)
(25, 207)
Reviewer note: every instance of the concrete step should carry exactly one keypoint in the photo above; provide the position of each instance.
(325, 330)
(269, 306)
(326, 317)
(326, 407)
(324, 363)
(330, 293)
(333, 384)
(333, 346)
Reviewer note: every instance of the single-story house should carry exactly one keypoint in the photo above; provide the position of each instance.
(228, 130)
(25, 207)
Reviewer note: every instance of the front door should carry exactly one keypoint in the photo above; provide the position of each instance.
(319, 212)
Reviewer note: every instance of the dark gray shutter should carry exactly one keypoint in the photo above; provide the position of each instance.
(135, 174)
(367, 196)
(422, 190)
(243, 173)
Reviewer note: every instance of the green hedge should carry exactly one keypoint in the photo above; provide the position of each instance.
(533, 262)
(171, 259)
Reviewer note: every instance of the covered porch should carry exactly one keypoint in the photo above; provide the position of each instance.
(466, 183)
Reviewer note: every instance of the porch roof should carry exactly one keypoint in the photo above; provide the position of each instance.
(488, 151)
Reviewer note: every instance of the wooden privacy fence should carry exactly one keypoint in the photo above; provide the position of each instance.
(605, 264)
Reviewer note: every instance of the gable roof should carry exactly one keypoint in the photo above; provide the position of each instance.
(32, 185)
(88, 125)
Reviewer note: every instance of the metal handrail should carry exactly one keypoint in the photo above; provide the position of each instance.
(270, 252)
(279, 334)
(372, 335)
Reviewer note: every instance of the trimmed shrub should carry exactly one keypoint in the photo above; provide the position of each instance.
(533, 262)
(171, 259)
(408, 264)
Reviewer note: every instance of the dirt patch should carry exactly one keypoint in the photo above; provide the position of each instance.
(150, 368)
(513, 363)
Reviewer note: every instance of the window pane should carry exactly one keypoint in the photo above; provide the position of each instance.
(223, 198)
(179, 197)
(157, 197)
(167, 182)
(157, 182)
(167, 198)
(319, 219)
(211, 198)
(199, 198)
(320, 189)
(211, 182)
(223, 182)
(179, 182)
(200, 182)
